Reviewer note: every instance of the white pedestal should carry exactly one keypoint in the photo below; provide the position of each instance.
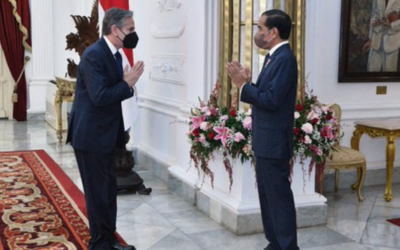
(238, 210)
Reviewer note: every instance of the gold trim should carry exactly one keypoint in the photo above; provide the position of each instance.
(236, 47)
(236, 30)
(277, 4)
(230, 34)
(243, 23)
(248, 46)
(299, 44)
(248, 36)
(391, 136)
(227, 49)
(288, 6)
(65, 93)
(21, 26)
(361, 173)
(262, 52)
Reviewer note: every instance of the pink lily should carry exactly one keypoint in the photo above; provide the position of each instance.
(196, 121)
(222, 133)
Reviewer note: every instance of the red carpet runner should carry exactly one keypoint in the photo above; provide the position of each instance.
(40, 207)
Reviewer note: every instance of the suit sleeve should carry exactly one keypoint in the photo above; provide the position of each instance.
(270, 95)
(395, 26)
(100, 91)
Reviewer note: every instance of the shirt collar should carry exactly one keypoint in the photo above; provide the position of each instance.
(271, 51)
(110, 45)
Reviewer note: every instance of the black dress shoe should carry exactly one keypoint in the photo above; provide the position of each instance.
(118, 246)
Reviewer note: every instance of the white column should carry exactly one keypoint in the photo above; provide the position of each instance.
(42, 54)
(203, 44)
(202, 67)
(196, 56)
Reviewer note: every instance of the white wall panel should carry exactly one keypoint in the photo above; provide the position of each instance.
(358, 100)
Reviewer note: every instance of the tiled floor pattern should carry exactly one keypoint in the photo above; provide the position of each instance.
(163, 221)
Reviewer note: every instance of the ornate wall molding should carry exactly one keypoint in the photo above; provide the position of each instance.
(351, 112)
(168, 68)
(171, 21)
(171, 33)
(168, 5)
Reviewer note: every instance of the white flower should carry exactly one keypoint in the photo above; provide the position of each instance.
(205, 126)
(238, 137)
(316, 135)
(307, 139)
(296, 115)
(202, 138)
(307, 128)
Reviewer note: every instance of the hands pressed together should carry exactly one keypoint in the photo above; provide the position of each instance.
(239, 75)
(131, 76)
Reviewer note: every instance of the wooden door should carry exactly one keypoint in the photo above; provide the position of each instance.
(6, 88)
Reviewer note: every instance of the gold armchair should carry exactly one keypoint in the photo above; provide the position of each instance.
(346, 158)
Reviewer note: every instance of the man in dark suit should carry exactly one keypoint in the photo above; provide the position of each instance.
(96, 125)
(273, 100)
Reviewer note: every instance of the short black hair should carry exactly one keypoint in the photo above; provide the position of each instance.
(280, 20)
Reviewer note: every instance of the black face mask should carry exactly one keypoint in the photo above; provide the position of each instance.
(130, 41)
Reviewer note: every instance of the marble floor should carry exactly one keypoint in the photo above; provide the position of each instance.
(163, 221)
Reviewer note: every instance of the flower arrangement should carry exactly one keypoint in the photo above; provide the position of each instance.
(315, 132)
(229, 131)
(213, 129)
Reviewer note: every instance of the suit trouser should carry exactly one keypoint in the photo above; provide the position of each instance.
(99, 180)
(277, 203)
(380, 61)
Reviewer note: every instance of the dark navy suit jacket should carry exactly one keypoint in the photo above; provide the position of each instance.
(273, 100)
(96, 123)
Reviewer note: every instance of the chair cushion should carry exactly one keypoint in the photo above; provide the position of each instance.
(345, 156)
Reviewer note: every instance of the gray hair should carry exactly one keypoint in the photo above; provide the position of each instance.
(115, 16)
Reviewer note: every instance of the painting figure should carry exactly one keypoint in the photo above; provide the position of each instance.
(384, 37)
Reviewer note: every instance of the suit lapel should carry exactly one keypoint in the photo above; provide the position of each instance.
(270, 62)
(388, 7)
(110, 58)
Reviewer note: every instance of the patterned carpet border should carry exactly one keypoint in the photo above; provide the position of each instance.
(40, 207)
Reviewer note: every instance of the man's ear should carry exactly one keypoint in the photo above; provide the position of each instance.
(114, 29)
(276, 32)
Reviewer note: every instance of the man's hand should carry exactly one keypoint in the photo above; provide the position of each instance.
(238, 74)
(386, 23)
(367, 46)
(132, 76)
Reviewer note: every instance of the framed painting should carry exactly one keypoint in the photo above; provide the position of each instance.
(370, 41)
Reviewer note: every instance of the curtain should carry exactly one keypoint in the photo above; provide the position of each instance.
(14, 39)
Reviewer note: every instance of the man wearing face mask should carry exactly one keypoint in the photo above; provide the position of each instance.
(96, 125)
(273, 99)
